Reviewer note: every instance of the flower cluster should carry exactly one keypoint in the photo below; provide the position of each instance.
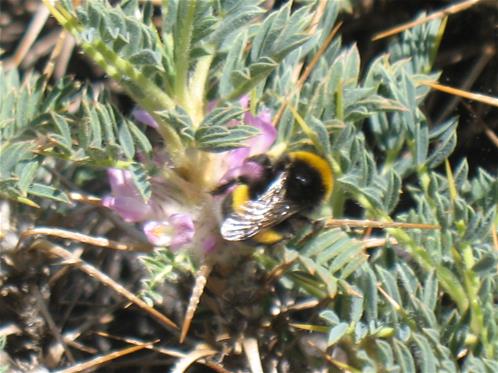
(172, 217)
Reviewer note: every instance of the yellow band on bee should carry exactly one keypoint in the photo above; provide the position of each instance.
(268, 237)
(240, 196)
(320, 165)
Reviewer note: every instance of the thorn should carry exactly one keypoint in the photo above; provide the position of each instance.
(197, 291)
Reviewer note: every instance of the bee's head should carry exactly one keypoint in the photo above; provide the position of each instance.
(309, 179)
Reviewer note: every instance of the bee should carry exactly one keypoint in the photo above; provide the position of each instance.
(261, 209)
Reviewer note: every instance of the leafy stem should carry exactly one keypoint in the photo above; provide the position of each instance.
(183, 43)
(143, 91)
(197, 87)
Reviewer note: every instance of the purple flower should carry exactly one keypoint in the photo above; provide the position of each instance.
(180, 213)
(175, 232)
(268, 132)
(143, 116)
(125, 199)
(235, 160)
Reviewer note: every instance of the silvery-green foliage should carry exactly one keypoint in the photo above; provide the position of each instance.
(426, 300)
(38, 125)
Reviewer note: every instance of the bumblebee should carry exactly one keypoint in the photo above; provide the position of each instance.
(262, 208)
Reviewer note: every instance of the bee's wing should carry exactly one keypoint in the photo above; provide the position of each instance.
(268, 210)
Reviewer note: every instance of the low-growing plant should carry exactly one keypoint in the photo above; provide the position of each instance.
(215, 82)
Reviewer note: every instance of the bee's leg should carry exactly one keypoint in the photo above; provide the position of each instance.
(318, 224)
(316, 227)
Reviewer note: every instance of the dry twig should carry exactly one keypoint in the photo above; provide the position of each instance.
(69, 258)
(452, 9)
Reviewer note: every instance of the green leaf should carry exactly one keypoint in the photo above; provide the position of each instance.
(94, 14)
(461, 175)
(322, 135)
(427, 359)
(219, 138)
(421, 143)
(180, 121)
(221, 115)
(486, 265)
(47, 191)
(479, 225)
(247, 78)
(404, 357)
(360, 332)
(126, 140)
(27, 174)
(147, 58)
(279, 34)
(237, 16)
(26, 106)
(353, 251)
(216, 134)
(330, 316)
(328, 253)
(142, 140)
(408, 278)
(13, 154)
(368, 282)
(430, 291)
(417, 46)
(233, 62)
(95, 129)
(183, 31)
(65, 132)
(353, 265)
(446, 143)
(130, 7)
(452, 286)
(107, 121)
(328, 279)
(393, 190)
(135, 36)
(268, 32)
(140, 180)
(356, 309)
(336, 333)
(390, 284)
(385, 352)
(325, 239)
(351, 67)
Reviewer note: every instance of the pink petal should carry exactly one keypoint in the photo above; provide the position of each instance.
(144, 117)
(234, 159)
(177, 231)
(121, 181)
(125, 200)
(158, 233)
(244, 101)
(268, 133)
(252, 170)
(130, 209)
(184, 230)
